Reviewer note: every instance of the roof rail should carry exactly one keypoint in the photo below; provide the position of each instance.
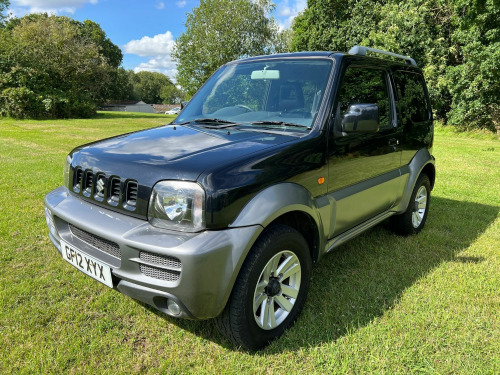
(360, 50)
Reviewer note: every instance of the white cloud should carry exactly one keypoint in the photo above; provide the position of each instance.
(284, 10)
(160, 44)
(49, 6)
(287, 10)
(158, 48)
(181, 3)
(160, 5)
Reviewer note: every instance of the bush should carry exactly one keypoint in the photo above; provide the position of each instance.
(51, 68)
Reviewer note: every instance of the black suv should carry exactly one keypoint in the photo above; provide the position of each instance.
(273, 163)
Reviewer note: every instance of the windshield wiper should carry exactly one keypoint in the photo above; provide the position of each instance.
(209, 121)
(281, 123)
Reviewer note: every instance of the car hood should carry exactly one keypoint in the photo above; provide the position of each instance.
(171, 152)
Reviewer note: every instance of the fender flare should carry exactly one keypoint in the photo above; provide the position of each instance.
(420, 161)
(275, 201)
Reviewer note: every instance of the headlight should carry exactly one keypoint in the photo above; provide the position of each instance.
(67, 167)
(177, 205)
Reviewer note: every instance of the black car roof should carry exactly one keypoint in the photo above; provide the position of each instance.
(287, 55)
(329, 54)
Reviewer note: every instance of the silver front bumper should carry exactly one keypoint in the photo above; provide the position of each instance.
(210, 260)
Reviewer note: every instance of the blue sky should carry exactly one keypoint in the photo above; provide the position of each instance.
(144, 30)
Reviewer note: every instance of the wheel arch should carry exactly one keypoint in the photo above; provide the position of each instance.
(422, 162)
(305, 225)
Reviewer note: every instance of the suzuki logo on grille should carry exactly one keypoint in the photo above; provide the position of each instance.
(100, 186)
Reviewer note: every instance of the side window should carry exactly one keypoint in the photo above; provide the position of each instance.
(412, 101)
(368, 86)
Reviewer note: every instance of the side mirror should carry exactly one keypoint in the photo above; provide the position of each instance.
(183, 104)
(361, 118)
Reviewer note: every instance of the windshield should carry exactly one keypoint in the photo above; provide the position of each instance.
(276, 93)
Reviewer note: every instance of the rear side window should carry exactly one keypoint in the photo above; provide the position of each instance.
(367, 86)
(412, 101)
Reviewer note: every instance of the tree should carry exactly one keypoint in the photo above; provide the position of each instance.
(49, 68)
(149, 85)
(474, 82)
(408, 28)
(89, 32)
(123, 85)
(4, 4)
(93, 32)
(456, 42)
(283, 41)
(171, 95)
(218, 31)
(335, 25)
(421, 29)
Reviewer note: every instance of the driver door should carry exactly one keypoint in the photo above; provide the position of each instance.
(363, 165)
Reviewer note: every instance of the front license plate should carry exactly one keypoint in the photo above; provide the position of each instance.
(87, 264)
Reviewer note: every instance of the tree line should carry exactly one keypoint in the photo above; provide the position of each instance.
(456, 42)
(150, 87)
(53, 67)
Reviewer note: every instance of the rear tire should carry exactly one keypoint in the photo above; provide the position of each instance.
(413, 219)
(270, 290)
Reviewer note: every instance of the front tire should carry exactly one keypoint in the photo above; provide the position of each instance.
(270, 290)
(413, 219)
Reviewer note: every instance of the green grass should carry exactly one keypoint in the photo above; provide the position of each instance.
(380, 303)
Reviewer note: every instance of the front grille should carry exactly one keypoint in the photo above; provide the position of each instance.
(158, 273)
(100, 243)
(111, 190)
(161, 260)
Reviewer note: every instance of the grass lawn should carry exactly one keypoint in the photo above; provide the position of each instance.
(380, 303)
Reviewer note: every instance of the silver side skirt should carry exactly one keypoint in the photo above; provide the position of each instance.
(353, 232)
